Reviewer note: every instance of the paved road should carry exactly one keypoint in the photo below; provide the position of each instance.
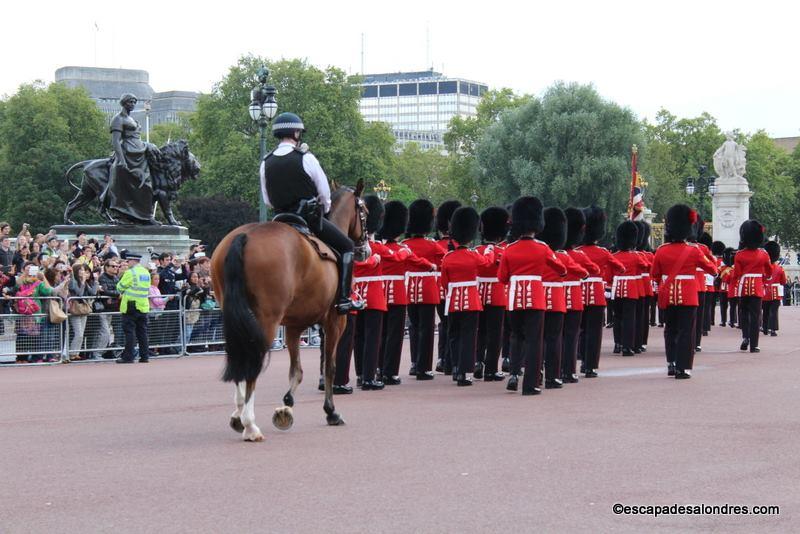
(146, 448)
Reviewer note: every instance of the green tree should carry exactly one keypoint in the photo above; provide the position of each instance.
(43, 131)
(211, 218)
(165, 132)
(225, 139)
(571, 148)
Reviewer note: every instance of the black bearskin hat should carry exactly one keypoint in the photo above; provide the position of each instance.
(643, 241)
(576, 226)
(679, 222)
(717, 248)
(752, 234)
(494, 223)
(627, 236)
(394, 220)
(595, 224)
(555, 228)
(375, 216)
(527, 216)
(420, 217)
(444, 214)
(464, 225)
(697, 229)
(774, 250)
(727, 256)
(706, 239)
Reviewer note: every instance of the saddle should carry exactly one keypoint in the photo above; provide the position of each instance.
(298, 221)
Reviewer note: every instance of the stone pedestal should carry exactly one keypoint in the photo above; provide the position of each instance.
(731, 205)
(174, 239)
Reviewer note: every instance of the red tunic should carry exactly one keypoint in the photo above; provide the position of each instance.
(675, 265)
(775, 283)
(394, 273)
(727, 281)
(704, 278)
(751, 267)
(574, 292)
(422, 284)
(521, 267)
(594, 287)
(570, 283)
(492, 292)
(460, 277)
(628, 285)
(647, 281)
(368, 280)
(445, 243)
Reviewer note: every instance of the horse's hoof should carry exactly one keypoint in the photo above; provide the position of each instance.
(283, 419)
(335, 419)
(236, 425)
(253, 434)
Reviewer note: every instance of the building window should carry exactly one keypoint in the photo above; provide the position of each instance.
(388, 90)
(369, 91)
(408, 89)
(446, 88)
(427, 88)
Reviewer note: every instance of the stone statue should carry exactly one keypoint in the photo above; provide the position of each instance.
(730, 160)
(136, 177)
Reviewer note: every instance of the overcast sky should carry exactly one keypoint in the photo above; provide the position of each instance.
(736, 60)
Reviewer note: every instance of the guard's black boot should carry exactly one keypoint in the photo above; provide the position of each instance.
(617, 348)
(346, 304)
(745, 343)
(671, 369)
(506, 365)
(478, 370)
(512, 383)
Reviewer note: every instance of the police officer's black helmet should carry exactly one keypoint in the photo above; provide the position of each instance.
(286, 124)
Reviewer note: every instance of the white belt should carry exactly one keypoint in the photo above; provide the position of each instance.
(362, 279)
(512, 289)
(572, 284)
(615, 282)
(679, 277)
(393, 277)
(593, 279)
(450, 287)
(484, 280)
(741, 280)
(780, 289)
(430, 274)
(552, 284)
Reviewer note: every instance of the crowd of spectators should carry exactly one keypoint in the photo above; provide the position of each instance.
(33, 267)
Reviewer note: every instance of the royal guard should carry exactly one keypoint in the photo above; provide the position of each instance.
(773, 292)
(751, 269)
(394, 275)
(725, 270)
(626, 289)
(647, 317)
(462, 301)
(369, 284)
(443, 216)
(422, 285)
(573, 289)
(594, 299)
(555, 236)
(697, 234)
(709, 304)
(506, 352)
(494, 295)
(521, 267)
(728, 278)
(675, 265)
(720, 295)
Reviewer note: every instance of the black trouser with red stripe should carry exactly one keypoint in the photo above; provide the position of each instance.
(369, 327)
(733, 302)
(462, 334)
(644, 321)
(679, 331)
(394, 323)
(592, 336)
(698, 324)
(553, 343)
(769, 320)
(723, 308)
(708, 313)
(625, 324)
(344, 349)
(443, 347)
(750, 317)
(526, 346)
(490, 337)
(422, 318)
(569, 346)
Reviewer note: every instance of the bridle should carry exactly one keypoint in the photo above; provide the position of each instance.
(362, 248)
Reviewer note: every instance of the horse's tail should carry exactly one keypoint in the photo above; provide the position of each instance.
(246, 345)
(80, 164)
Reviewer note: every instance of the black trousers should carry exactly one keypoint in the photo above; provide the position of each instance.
(553, 339)
(769, 309)
(569, 345)
(134, 325)
(506, 352)
(369, 327)
(625, 323)
(344, 351)
(462, 334)
(591, 336)
(733, 302)
(723, 308)
(644, 321)
(394, 323)
(490, 336)
(698, 324)
(526, 346)
(420, 332)
(653, 309)
(708, 312)
(443, 347)
(679, 331)
(750, 317)
(334, 237)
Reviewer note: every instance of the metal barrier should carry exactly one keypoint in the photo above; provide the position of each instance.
(30, 337)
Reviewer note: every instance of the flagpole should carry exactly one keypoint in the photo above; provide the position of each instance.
(634, 161)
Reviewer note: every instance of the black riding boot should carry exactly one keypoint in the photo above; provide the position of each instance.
(346, 304)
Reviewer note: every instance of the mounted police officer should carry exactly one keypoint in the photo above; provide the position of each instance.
(292, 181)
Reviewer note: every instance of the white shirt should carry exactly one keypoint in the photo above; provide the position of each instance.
(313, 169)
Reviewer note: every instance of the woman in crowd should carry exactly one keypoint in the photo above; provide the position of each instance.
(193, 297)
(157, 305)
(21, 257)
(81, 284)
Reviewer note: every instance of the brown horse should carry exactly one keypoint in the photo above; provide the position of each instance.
(279, 279)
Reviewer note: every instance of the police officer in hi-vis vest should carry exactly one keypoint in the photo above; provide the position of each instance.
(135, 305)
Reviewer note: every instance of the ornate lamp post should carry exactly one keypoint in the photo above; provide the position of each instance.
(382, 190)
(703, 183)
(262, 110)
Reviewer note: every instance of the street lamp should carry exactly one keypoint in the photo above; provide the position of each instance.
(703, 183)
(147, 108)
(382, 190)
(262, 110)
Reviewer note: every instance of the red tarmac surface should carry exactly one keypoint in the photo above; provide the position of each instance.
(147, 448)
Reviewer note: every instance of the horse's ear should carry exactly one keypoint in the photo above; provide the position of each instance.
(359, 187)
(334, 184)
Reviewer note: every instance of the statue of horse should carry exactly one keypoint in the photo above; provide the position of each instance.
(267, 275)
(170, 166)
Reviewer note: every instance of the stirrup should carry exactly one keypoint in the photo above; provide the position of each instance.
(348, 305)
